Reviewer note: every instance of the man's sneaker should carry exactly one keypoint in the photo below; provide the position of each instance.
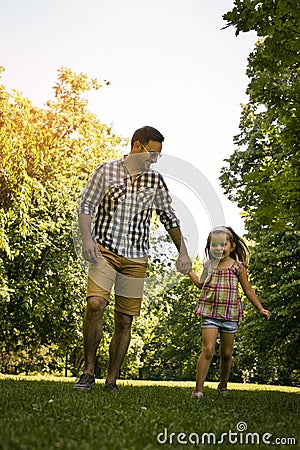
(112, 387)
(85, 382)
(223, 392)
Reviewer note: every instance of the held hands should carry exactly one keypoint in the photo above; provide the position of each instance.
(183, 264)
(90, 251)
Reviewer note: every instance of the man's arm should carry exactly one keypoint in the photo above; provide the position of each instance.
(163, 203)
(90, 198)
(183, 263)
(90, 249)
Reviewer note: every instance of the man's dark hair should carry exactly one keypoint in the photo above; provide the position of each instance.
(146, 134)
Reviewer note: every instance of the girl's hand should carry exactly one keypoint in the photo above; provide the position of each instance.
(265, 313)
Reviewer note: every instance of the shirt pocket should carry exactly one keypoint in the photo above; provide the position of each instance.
(145, 197)
(117, 193)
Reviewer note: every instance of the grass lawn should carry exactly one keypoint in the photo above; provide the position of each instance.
(47, 413)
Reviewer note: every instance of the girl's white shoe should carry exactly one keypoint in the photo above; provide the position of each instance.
(197, 394)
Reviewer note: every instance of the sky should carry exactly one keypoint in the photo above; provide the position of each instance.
(170, 66)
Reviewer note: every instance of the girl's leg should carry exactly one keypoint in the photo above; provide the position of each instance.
(209, 337)
(226, 349)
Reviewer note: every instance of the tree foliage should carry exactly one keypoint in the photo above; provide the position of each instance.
(46, 155)
(266, 165)
(262, 176)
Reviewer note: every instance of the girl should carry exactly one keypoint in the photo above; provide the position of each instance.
(220, 304)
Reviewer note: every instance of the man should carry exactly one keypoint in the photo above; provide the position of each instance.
(124, 192)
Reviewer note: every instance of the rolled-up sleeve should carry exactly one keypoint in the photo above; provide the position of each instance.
(163, 205)
(92, 194)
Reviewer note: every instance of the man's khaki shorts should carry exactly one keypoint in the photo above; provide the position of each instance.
(127, 276)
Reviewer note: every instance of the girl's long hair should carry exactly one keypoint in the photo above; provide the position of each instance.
(241, 251)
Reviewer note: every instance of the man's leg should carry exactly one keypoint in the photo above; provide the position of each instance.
(128, 298)
(92, 331)
(119, 345)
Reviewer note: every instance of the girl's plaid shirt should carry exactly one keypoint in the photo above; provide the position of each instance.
(124, 208)
(219, 297)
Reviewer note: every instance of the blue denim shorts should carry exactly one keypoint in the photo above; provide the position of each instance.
(225, 326)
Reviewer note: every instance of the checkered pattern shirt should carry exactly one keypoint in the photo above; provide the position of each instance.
(219, 297)
(124, 208)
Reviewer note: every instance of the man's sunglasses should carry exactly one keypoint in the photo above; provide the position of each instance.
(152, 155)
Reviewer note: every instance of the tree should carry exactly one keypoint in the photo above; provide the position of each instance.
(262, 176)
(270, 121)
(46, 156)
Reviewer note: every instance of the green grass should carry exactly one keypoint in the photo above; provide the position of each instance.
(41, 413)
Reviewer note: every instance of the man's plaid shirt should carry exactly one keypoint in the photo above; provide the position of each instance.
(124, 208)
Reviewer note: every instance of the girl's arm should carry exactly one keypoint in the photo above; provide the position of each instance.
(198, 281)
(250, 294)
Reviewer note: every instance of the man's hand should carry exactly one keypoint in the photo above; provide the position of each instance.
(183, 264)
(90, 251)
